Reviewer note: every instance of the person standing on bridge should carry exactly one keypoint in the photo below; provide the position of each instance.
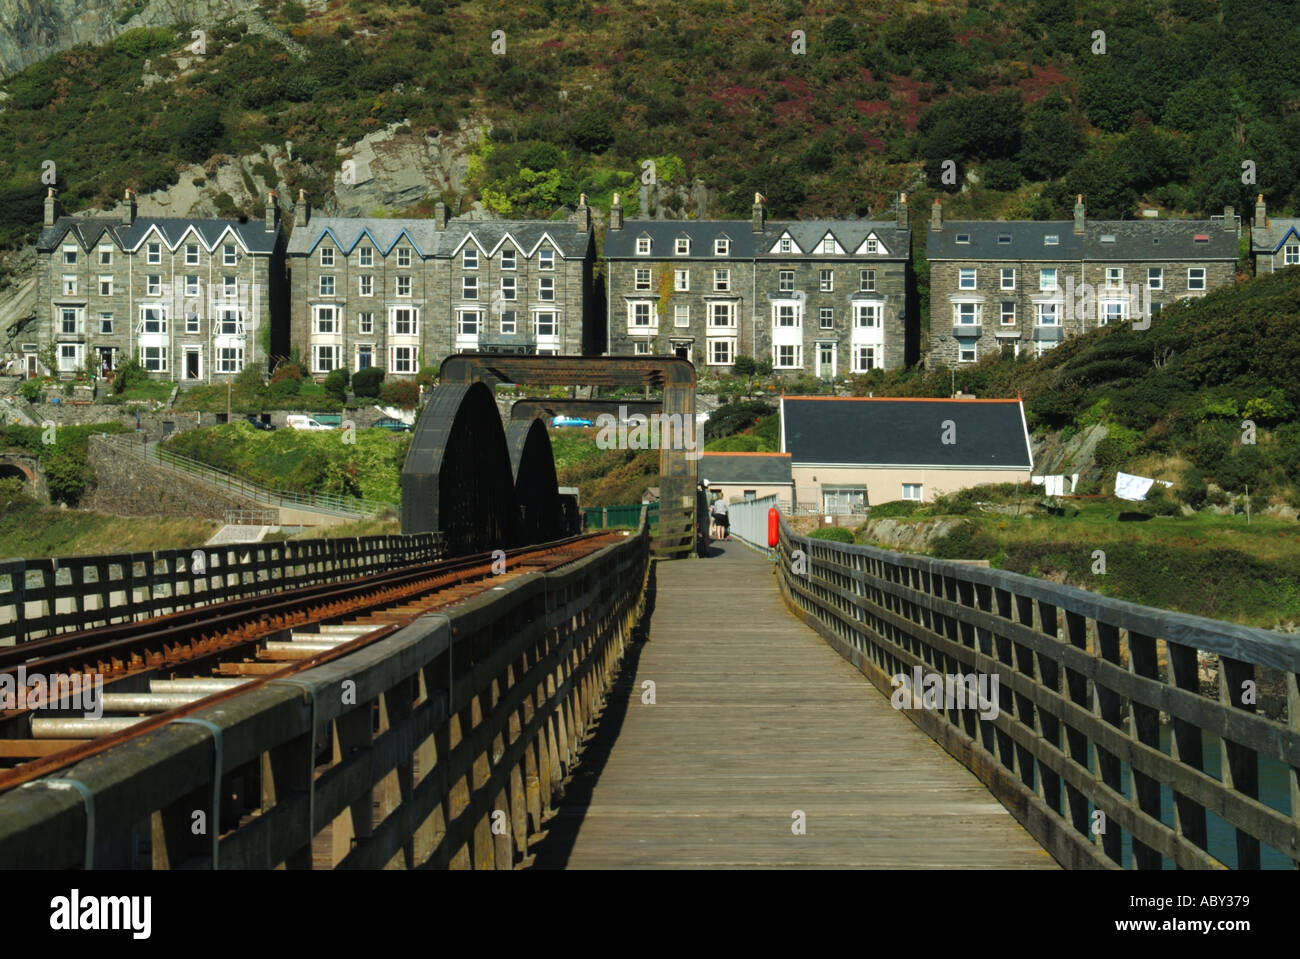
(720, 516)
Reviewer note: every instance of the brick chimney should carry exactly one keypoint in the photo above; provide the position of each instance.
(1079, 219)
(52, 210)
(1261, 213)
(1229, 218)
(936, 216)
(272, 212)
(616, 214)
(301, 210)
(760, 214)
(583, 215)
(440, 216)
(904, 219)
(128, 207)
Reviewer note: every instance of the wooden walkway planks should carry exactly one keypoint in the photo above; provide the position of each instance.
(756, 717)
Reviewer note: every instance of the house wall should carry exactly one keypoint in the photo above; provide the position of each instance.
(884, 485)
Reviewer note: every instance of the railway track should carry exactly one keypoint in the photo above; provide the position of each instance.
(142, 675)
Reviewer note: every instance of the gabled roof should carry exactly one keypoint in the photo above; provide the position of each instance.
(171, 231)
(421, 233)
(988, 434)
(746, 244)
(740, 468)
(1275, 233)
(1027, 240)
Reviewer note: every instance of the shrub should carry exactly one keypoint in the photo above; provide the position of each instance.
(427, 377)
(964, 541)
(336, 384)
(30, 389)
(402, 393)
(1159, 502)
(368, 381)
(1192, 490)
(837, 534)
(129, 374)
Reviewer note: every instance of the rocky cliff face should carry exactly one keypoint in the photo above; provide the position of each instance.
(31, 30)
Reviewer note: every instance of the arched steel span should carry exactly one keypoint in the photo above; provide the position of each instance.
(536, 488)
(457, 477)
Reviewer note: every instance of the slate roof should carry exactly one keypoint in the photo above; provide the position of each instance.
(384, 233)
(747, 245)
(1137, 240)
(723, 469)
(1274, 234)
(1026, 240)
(905, 432)
(173, 231)
(1133, 240)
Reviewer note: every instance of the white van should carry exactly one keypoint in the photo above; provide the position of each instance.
(297, 421)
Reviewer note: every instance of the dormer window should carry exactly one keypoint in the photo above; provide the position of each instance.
(1051, 239)
(721, 247)
(105, 256)
(828, 245)
(507, 259)
(228, 254)
(785, 244)
(873, 245)
(683, 246)
(69, 255)
(327, 256)
(469, 258)
(1004, 238)
(963, 238)
(366, 256)
(643, 246)
(153, 253)
(546, 259)
(404, 257)
(191, 254)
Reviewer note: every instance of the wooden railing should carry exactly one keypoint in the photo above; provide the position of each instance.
(443, 744)
(42, 597)
(1075, 749)
(674, 537)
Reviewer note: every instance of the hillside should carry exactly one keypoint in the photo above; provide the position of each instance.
(582, 94)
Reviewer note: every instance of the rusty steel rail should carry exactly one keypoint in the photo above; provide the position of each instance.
(1074, 750)
(440, 743)
(228, 630)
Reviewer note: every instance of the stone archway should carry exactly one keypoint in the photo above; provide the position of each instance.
(27, 469)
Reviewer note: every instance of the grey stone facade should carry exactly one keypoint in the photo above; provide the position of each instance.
(1274, 243)
(189, 297)
(825, 297)
(402, 294)
(1028, 285)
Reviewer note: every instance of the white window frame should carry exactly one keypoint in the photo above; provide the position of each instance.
(642, 278)
(1008, 278)
(683, 246)
(366, 256)
(319, 323)
(1042, 310)
(966, 277)
(229, 255)
(153, 284)
(413, 318)
(105, 256)
(405, 366)
(866, 281)
(326, 285)
(403, 257)
(1043, 284)
(546, 259)
(366, 285)
(724, 309)
(153, 253)
(1003, 315)
(327, 256)
(682, 281)
(537, 323)
(722, 281)
(1114, 277)
(959, 313)
(402, 286)
(826, 318)
(785, 281)
(509, 289)
(864, 358)
(106, 286)
(681, 314)
(634, 311)
(1155, 278)
(721, 247)
(160, 362)
(826, 281)
(546, 289)
(1291, 254)
(366, 322)
(234, 363)
(509, 318)
(917, 488)
(727, 343)
(508, 261)
(469, 322)
(1201, 279)
(191, 254)
(643, 246)
(469, 287)
(868, 316)
(796, 356)
(319, 351)
(469, 258)
(963, 349)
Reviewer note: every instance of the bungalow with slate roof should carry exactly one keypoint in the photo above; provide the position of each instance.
(819, 297)
(848, 453)
(188, 297)
(748, 476)
(406, 293)
(1274, 243)
(1017, 285)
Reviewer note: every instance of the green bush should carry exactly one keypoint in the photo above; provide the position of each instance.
(836, 534)
(965, 541)
(367, 382)
(402, 393)
(129, 374)
(31, 389)
(1192, 490)
(336, 384)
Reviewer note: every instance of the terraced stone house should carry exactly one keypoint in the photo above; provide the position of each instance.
(1019, 285)
(190, 298)
(1274, 243)
(406, 293)
(819, 297)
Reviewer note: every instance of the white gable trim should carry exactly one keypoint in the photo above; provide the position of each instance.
(881, 249)
(794, 244)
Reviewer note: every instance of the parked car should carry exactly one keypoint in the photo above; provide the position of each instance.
(388, 423)
(297, 421)
(257, 424)
(571, 421)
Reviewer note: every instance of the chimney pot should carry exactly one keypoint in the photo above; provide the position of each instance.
(616, 214)
(51, 208)
(1261, 213)
(129, 207)
(301, 210)
(1079, 215)
(936, 215)
(904, 220)
(440, 216)
(760, 214)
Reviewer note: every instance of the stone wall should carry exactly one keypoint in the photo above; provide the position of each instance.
(126, 486)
